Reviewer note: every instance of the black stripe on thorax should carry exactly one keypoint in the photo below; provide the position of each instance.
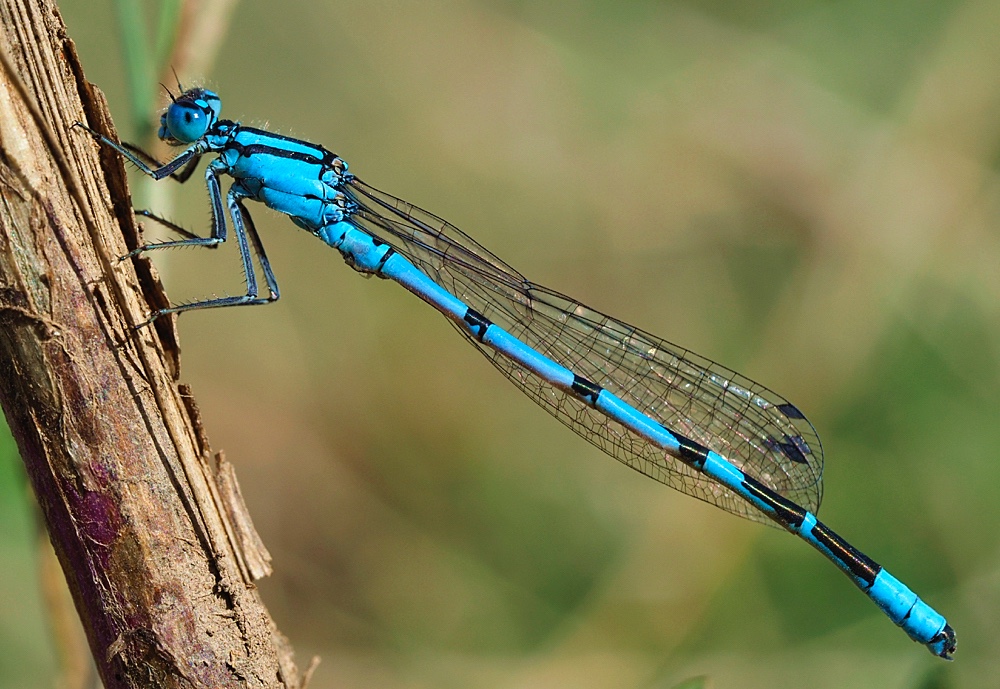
(281, 137)
(323, 155)
(248, 150)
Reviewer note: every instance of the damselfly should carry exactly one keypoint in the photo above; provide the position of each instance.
(662, 410)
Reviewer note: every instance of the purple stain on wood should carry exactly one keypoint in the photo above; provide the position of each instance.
(100, 522)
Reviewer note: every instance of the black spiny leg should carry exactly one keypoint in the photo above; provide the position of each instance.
(153, 163)
(218, 234)
(170, 225)
(249, 244)
(149, 165)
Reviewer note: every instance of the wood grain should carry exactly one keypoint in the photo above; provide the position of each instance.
(148, 523)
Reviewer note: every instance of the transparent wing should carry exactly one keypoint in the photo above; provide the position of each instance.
(756, 429)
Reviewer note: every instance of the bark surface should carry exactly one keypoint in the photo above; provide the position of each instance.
(147, 522)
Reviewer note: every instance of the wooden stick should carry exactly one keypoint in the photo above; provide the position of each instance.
(148, 524)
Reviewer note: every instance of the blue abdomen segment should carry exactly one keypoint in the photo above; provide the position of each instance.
(920, 622)
(630, 417)
(366, 255)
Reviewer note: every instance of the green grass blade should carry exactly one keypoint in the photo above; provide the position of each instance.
(167, 27)
(138, 65)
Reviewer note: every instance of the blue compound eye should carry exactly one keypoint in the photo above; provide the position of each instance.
(186, 122)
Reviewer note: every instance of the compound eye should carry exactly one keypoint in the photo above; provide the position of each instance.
(186, 122)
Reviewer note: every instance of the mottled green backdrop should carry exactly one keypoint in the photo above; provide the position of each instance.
(806, 191)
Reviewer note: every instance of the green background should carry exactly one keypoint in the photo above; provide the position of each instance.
(805, 191)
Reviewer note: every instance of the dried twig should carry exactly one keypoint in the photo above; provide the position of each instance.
(150, 530)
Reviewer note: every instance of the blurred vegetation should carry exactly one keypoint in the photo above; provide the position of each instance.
(806, 191)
